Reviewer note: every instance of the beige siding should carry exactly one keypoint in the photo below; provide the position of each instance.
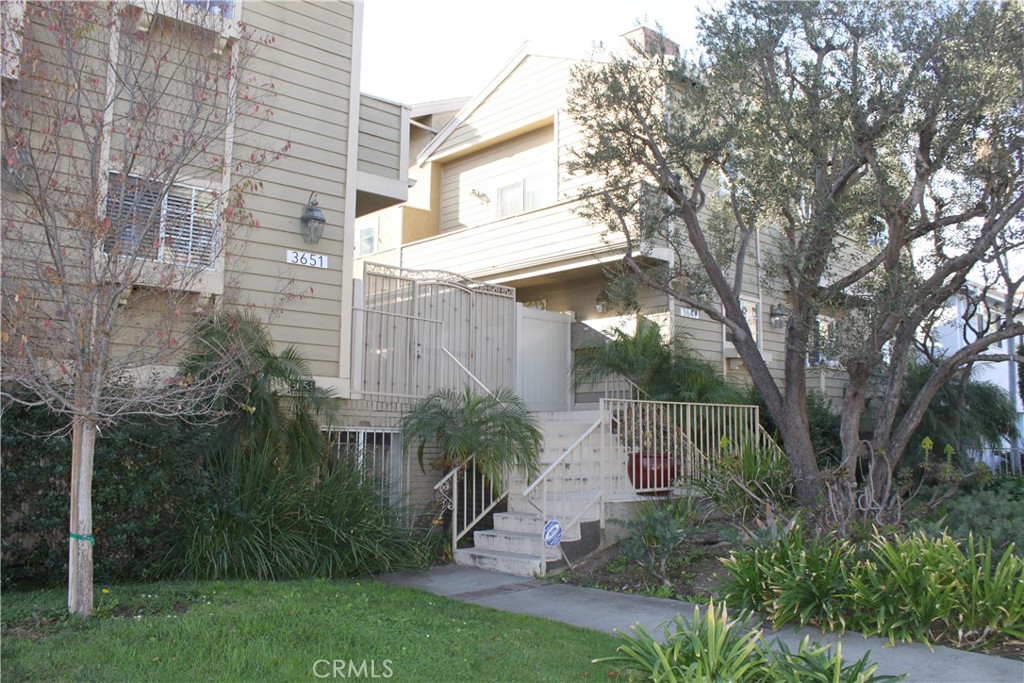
(469, 186)
(533, 91)
(380, 149)
(310, 58)
(546, 237)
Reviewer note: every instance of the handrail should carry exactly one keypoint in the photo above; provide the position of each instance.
(467, 371)
(451, 473)
(459, 525)
(560, 459)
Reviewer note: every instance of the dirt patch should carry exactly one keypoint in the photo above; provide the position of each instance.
(693, 575)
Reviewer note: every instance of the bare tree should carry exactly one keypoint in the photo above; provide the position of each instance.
(875, 151)
(122, 188)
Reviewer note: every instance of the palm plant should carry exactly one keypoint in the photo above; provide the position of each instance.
(265, 396)
(966, 414)
(664, 370)
(495, 429)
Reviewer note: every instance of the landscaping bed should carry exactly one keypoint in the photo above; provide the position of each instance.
(694, 576)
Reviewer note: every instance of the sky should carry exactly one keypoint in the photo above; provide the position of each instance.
(418, 51)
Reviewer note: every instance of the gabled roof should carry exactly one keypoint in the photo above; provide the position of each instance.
(438, 106)
(528, 49)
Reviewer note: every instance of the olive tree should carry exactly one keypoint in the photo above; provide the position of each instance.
(875, 151)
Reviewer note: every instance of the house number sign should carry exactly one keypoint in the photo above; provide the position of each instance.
(304, 258)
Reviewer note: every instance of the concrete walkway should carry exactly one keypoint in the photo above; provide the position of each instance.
(607, 611)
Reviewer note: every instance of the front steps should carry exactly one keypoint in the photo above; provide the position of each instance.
(516, 545)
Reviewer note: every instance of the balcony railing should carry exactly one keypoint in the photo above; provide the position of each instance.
(554, 234)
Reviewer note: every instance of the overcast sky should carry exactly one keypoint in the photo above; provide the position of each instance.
(417, 51)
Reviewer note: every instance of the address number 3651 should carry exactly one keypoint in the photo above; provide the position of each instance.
(304, 258)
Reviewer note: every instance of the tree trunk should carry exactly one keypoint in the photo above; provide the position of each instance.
(80, 542)
(803, 462)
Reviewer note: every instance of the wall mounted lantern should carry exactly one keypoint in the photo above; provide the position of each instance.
(312, 221)
(778, 314)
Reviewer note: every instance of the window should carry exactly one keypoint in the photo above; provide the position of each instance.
(822, 352)
(377, 454)
(176, 227)
(525, 195)
(369, 235)
(220, 8)
(752, 314)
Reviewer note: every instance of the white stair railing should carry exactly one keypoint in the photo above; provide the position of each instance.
(574, 483)
(469, 496)
(667, 441)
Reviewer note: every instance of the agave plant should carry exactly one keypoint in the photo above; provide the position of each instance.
(495, 429)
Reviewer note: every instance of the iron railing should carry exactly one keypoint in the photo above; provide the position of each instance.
(469, 496)
(640, 447)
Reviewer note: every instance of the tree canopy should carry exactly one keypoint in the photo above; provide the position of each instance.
(869, 154)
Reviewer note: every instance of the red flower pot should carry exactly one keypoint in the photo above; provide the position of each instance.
(652, 474)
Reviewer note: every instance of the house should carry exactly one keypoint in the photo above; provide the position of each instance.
(493, 216)
(486, 277)
(325, 151)
(969, 315)
(505, 213)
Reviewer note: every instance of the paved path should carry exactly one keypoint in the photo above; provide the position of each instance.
(607, 611)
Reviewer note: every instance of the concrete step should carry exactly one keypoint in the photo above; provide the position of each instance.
(519, 521)
(529, 522)
(518, 542)
(568, 415)
(560, 508)
(500, 561)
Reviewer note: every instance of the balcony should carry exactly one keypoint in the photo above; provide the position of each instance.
(383, 164)
(547, 240)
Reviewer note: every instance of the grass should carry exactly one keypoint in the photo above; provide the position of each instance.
(278, 631)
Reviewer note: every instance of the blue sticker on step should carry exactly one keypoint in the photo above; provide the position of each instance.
(552, 533)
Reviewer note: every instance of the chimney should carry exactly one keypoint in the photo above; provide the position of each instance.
(650, 41)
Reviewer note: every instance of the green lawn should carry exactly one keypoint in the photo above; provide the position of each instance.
(287, 631)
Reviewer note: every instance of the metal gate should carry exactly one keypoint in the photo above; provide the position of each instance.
(425, 330)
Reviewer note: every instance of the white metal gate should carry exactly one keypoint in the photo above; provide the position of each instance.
(543, 358)
(419, 331)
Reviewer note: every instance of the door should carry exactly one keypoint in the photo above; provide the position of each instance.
(543, 359)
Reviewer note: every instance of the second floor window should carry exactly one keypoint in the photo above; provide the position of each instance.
(822, 352)
(178, 226)
(525, 195)
(221, 8)
(751, 313)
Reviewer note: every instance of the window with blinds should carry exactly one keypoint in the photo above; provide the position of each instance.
(177, 226)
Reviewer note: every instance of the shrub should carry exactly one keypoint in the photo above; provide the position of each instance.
(653, 538)
(993, 510)
(792, 578)
(747, 480)
(990, 600)
(258, 519)
(903, 587)
(710, 648)
(142, 466)
(271, 503)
